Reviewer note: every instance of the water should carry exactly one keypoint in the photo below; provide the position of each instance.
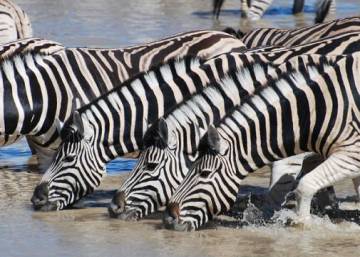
(88, 231)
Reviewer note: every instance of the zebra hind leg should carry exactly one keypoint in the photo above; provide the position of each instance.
(217, 4)
(324, 8)
(324, 175)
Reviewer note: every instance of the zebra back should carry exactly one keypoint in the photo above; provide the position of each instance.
(15, 24)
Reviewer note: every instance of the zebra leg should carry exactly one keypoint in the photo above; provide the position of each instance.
(244, 6)
(258, 8)
(324, 9)
(290, 166)
(335, 168)
(217, 4)
(356, 182)
(298, 6)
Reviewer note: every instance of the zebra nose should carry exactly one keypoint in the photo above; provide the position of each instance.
(171, 214)
(40, 196)
(117, 205)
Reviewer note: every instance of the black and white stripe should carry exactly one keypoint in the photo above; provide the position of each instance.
(14, 22)
(255, 9)
(40, 78)
(170, 145)
(129, 136)
(315, 109)
(287, 38)
(143, 192)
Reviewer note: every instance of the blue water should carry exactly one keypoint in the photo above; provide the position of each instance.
(16, 156)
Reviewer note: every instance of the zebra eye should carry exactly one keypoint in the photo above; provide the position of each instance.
(69, 158)
(150, 166)
(205, 173)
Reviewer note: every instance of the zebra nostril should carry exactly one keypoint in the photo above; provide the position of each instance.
(40, 196)
(117, 205)
(171, 215)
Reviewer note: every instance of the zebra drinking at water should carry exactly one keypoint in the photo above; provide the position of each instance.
(143, 192)
(255, 9)
(75, 174)
(171, 144)
(314, 109)
(14, 22)
(39, 79)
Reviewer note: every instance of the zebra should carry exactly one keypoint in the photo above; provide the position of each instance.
(138, 196)
(262, 37)
(61, 166)
(35, 73)
(15, 23)
(171, 144)
(255, 9)
(314, 109)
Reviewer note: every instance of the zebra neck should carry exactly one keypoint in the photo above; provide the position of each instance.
(295, 114)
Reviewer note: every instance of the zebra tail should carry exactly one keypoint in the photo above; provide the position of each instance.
(322, 10)
(298, 6)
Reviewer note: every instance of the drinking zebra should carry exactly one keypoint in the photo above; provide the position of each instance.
(40, 78)
(171, 144)
(129, 137)
(138, 196)
(15, 24)
(314, 109)
(255, 9)
(262, 37)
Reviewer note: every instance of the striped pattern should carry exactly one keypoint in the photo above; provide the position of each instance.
(288, 38)
(161, 167)
(37, 72)
(14, 22)
(314, 109)
(255, 9)
(129, 135)
(171, 144)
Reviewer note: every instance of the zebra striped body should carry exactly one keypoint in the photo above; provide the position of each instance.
(315, 109)
(131, 138)
(14, 22)
(288, 38)
(255, 9)
(40, 78)
(171, 145)
(161, 167)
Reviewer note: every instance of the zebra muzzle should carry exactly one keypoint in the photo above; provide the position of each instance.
(40, 199)
(117, 205)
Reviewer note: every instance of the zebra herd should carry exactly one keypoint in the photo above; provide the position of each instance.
(255, 9)
(204, 108)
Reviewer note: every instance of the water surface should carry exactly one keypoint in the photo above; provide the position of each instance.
(88, 231)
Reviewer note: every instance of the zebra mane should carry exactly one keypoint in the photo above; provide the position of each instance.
(29, 46)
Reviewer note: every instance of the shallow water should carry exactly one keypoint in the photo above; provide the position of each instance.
(88, 231)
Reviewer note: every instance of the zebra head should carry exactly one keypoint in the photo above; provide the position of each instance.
(159, 171)
(209, 188)
(74, 171)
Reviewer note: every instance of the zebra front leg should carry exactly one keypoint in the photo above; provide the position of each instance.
(335, 168)
(258, 8)
(298, 6)
(356, 182)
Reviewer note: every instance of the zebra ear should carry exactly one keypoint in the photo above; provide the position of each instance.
(76, 104)
(59, 125)
(78, 123)
(163, 131)
(213, 139)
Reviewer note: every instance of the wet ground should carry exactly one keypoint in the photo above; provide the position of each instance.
(87, 230)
